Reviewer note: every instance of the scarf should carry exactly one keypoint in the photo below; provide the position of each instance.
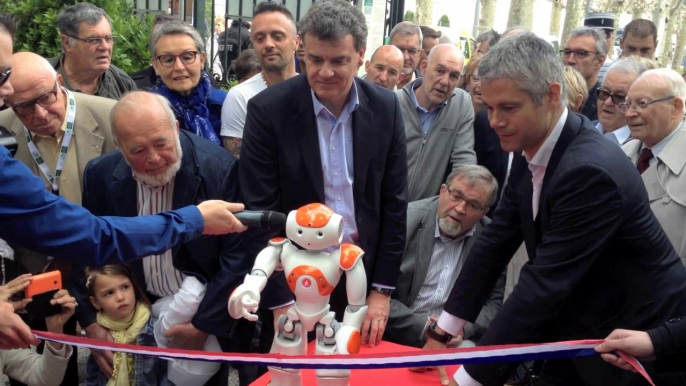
(191, 111)
(124, 331)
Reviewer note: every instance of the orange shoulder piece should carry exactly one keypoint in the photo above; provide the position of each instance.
(350, 253)
(278, 241)
(354, 341)
(313, 215)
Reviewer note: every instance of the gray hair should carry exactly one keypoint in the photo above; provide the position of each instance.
(677, 86)
(476, 174)
(527, 60)
(628, 67)
(514, 30)
(597, 34)
(491, 36)
(133, 101)
(174, 27)
(407, 28)
(334, 20)
(444, 39)
(70, 18)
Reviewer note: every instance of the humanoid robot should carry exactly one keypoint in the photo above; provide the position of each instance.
(312, 275)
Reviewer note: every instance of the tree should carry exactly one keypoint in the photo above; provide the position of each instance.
(487, 14)
(521, 14)
(572, 18)
(555, 17)
(444, 21)
(410, 16)
(672, 17)
(680, 42)
(425, 12)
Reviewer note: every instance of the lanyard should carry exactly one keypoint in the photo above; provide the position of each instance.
(64, 147)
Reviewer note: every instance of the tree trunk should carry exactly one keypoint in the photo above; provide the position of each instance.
(487, 15)
(425, 12)
(680, 41)
(555, 18)
(575, 11)
(672, 15)
(521, 14)
(638, 7)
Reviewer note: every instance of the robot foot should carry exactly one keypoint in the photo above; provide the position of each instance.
(280, 377)
(332, 381)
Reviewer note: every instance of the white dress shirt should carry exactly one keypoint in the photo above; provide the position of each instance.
(537, 165)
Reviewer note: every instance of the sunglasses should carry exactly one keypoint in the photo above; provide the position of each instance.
(5, 76)
(616, 98)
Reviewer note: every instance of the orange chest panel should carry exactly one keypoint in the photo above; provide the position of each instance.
(313, 277)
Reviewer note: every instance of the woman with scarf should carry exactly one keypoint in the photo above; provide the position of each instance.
(178, 57)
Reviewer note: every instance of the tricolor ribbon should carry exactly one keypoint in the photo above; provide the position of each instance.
(419, 358)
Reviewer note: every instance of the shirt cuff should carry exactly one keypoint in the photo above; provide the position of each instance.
(193, 220)
(450, 323)
(64, 352)
(283, 305)
(463, 378)
(382, 286)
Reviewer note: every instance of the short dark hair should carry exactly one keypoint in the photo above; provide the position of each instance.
(272, 6)
(246, 63)
(8, 24)
(491, 36)
(428, 32)
(334, 20)
(641, 28)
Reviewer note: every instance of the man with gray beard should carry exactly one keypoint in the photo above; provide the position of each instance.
(440, 233)
(158, 168)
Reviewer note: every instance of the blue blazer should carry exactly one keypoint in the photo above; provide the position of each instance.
(207, 172)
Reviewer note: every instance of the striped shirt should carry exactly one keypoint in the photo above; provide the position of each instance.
(444, 268)
(161, 278)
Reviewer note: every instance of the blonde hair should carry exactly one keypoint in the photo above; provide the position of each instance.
(575, 85)
(649, 64)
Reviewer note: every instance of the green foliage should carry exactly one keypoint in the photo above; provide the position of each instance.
(410, 16)
(444, 21)
(38, 30)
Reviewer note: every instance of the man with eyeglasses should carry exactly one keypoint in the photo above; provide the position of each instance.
(86, 62)
(585, 50)
(654, 110)
(441, 231)
(618, 79)
(407, 36)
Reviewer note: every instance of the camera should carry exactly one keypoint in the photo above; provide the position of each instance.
(7, 140)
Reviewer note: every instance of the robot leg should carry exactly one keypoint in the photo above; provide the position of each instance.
(290, 339)
(326, 345)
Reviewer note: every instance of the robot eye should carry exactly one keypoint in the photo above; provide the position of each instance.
(299, 232)
(320, 234)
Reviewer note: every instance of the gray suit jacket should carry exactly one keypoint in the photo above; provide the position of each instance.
(405, 327)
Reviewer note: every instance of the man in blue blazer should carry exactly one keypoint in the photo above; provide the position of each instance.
(330, 137)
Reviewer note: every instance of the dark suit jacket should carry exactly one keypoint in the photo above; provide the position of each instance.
(669, 342)
(207, 172)
(281, 169)
(489, 154)
(406, 327)
(598, 258)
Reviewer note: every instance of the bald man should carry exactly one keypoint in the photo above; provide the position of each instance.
(438, 122)
(385, 67)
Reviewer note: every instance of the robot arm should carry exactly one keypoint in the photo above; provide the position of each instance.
(348, 337)
(245, 299)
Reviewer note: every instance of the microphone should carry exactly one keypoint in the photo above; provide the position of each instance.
(263, 219)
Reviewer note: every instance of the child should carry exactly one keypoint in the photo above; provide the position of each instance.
(124, 310)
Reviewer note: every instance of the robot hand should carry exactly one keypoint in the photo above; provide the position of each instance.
(245, 299)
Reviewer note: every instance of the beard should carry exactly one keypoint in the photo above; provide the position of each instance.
(449, 228)
(161, 179)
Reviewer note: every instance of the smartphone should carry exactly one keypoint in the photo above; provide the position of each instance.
(42, 290)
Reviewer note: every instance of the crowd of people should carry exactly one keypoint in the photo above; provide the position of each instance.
(441, 170)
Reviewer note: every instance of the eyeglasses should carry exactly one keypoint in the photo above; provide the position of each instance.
(642, 104)
(616, 98)
(410, 50)
(5, 76)
(457, 198)
(95, 41)
(168, 60)
(579, 54)
(45, 100)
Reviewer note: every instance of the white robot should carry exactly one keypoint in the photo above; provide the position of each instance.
(312, 274)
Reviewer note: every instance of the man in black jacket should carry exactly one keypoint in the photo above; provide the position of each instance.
(229, 41)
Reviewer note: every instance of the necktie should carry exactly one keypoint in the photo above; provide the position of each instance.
(644, 160)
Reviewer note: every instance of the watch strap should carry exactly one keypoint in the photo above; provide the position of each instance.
(437, 336)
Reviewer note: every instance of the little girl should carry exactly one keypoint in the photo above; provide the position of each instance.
(124, 310)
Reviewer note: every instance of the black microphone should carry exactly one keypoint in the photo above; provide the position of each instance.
(263, 219)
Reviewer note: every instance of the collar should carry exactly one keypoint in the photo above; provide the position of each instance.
(460, 237)
(65, 79)
(416, 84)
(351, 105)
(542, 156)
(660, 146)
(622, 134)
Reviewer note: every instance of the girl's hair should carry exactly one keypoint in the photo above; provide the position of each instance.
(92, 274)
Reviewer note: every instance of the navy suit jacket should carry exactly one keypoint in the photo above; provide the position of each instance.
(598, 258)
(207, 172)
(281, 169)
(489, 154)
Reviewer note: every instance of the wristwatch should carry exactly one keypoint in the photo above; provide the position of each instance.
(437, 336)
(381, 290)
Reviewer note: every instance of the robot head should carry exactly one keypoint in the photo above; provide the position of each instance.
(314, 227)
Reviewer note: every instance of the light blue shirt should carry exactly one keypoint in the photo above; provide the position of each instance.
(619, 136)
(336, 151)
(426, 117)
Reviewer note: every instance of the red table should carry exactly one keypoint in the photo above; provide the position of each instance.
(390, 377)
